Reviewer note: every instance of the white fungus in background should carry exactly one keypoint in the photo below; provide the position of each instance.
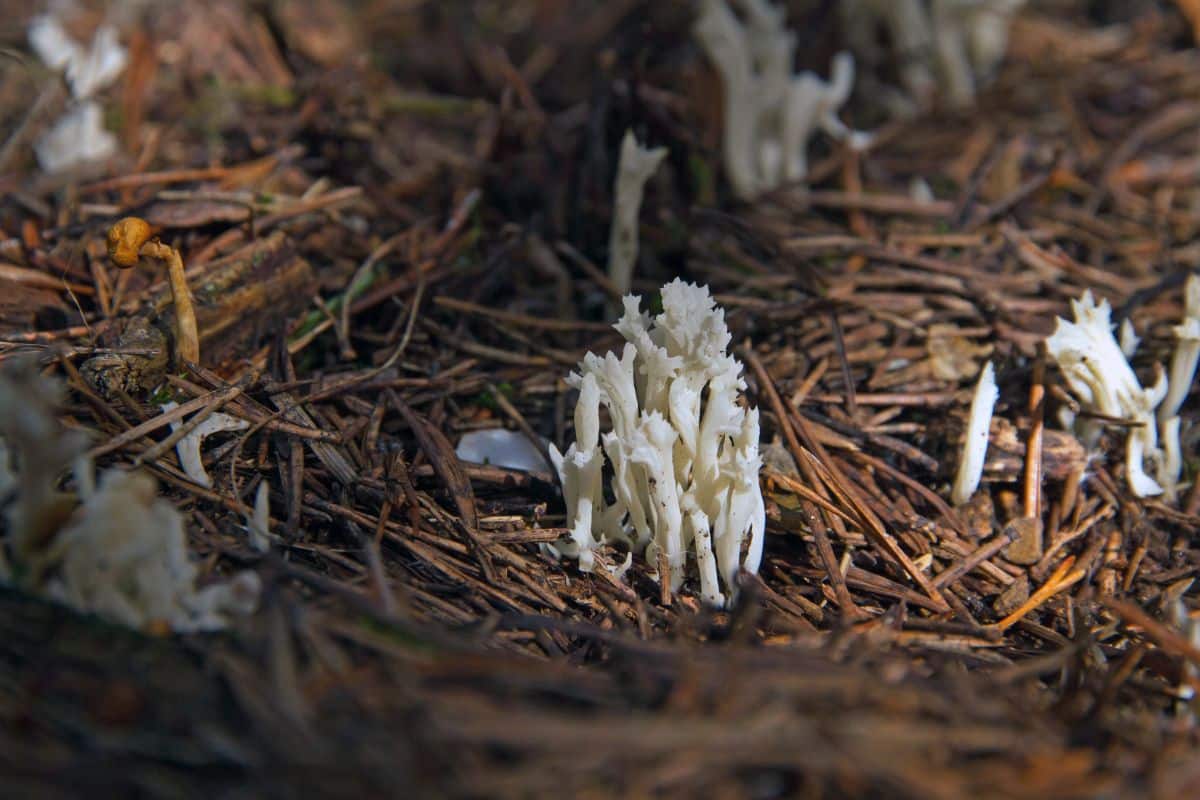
(258, 523)
(637, 164)
(1182, 375)
(89, 69)
(951, 48)
(770, 114)
(79, 136)
(125, 557)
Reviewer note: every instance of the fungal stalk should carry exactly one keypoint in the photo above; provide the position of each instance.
(635, 167)
(1187, 352)
(1129, 339)
(970, 466)
(1183, 372)
(258, 523)
(130, 239)
(1172, 460)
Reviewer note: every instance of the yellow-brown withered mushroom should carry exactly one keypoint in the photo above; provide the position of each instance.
(128, 240)
(125, 240)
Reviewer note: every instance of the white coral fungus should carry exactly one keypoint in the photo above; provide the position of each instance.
(636, 166)
(125, 557)
(953, 46)
(1183, 372)
(769, 113)
(1100, 377)
(1187, 351)
(683, 452)
(121, 553)
(79, 136)
(970, 466)
(188, 448)
(88, 69)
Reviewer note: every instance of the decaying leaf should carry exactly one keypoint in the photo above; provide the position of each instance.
(953, 357)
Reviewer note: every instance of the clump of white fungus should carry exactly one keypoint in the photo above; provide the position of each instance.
(1099, 375)
(119, 550)
(946, 48)
(769, 113)
(682, 451)
(79, 136)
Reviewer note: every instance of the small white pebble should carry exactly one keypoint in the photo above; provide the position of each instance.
(501, 448)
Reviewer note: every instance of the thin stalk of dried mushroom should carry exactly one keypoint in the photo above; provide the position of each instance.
(128, 240)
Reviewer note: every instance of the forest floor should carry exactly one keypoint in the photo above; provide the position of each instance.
(397, 218)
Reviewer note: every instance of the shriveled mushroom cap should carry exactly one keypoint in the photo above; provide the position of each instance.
(125, 240)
